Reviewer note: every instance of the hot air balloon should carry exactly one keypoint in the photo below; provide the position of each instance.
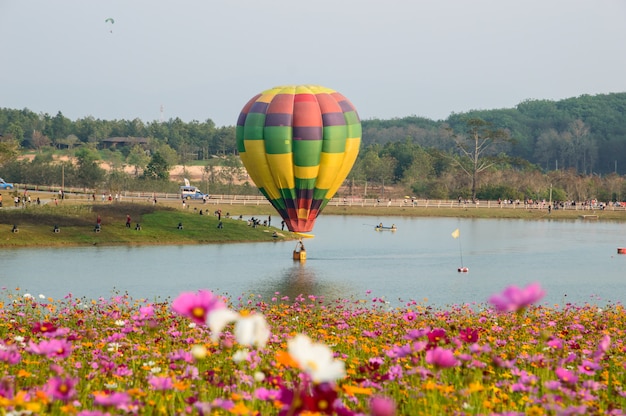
(298, 143)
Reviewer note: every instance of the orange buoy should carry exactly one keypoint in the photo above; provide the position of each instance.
(621, 250)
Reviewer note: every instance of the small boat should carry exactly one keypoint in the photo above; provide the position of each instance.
(463, 269)
(621, 250)
(380, 227)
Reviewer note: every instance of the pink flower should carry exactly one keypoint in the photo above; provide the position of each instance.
(9, 354)
(566, 376)
(116, 399)
(588, 367)
(62, 388)
(409, 316)
(161, 383)
(441, 357)
(54, 348)
(197, 306)
(513, 298)
(382, 406)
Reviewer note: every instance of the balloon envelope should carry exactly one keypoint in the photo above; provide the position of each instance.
(298, 143)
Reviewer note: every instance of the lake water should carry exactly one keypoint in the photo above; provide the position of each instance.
(574, 261)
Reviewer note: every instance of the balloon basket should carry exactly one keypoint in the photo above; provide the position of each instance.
(299, 255)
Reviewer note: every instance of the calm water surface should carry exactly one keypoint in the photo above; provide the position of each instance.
(575, 261)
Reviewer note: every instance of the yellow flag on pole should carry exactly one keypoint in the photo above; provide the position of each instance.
(456, 233)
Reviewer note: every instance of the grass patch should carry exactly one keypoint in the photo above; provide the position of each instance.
(159, 225)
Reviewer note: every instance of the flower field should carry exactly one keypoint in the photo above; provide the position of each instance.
(204, 354)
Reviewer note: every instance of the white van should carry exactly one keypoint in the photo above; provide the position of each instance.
(191, 192)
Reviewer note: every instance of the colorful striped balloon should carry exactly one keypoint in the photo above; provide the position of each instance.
(298, 143)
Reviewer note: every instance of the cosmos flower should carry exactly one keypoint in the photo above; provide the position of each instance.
(114, 399)
(513, 298)
(252, 331)
(9, 354)
(468, 335)
(61, 388)
(315, 359)
(160, 383)
(54, 348)
(441, 357)
(218, 319)
(197, 306)
(44, 327)
(382, 406)
(566, 376)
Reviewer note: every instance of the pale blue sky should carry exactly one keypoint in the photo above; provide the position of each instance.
(394, 58)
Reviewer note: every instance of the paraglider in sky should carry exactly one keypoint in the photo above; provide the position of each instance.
(109, 21)
(298, 143)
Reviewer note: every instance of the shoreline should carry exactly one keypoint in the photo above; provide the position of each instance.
(76, 221)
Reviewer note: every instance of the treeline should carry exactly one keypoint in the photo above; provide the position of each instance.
(587, 133)
(574, 148)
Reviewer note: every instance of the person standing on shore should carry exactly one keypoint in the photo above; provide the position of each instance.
(127, 220)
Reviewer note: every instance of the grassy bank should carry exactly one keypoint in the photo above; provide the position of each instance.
(158, 225)
(76, 220)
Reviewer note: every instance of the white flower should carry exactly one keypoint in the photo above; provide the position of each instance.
(28, 296)
(218, 319)
(198, 352)
(155, 370)
(240, 356)
(111, 386)
(120, 322)
(259, 376)
(316, 359)
(41, 296)
(114, 346)
(252, 330)
(192, 325)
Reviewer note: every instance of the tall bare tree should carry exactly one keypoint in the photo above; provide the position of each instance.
(476, 148)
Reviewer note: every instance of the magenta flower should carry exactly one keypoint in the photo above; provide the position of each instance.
(441, 357)
(382, 406)
(603, 346)
(588, 367)
(197, 306)
(566, 376)
(161, 383)
(9, 354)
(437, 335)
(116, 399)
(62, 388)
(513, 298)
(54, 348)
(44, 327)
(468, 335)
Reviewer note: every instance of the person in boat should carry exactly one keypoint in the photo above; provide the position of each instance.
(393, 226)
(380, 225)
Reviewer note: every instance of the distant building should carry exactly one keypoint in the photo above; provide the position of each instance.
(114, 142)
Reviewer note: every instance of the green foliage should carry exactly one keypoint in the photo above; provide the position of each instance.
(88, 171)
(157, 168)
(494, 192)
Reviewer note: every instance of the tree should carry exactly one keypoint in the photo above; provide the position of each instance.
(9, 149)
(475, 147)
(137, 158)
(89, 173)
(40, 140)
(157, 168)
